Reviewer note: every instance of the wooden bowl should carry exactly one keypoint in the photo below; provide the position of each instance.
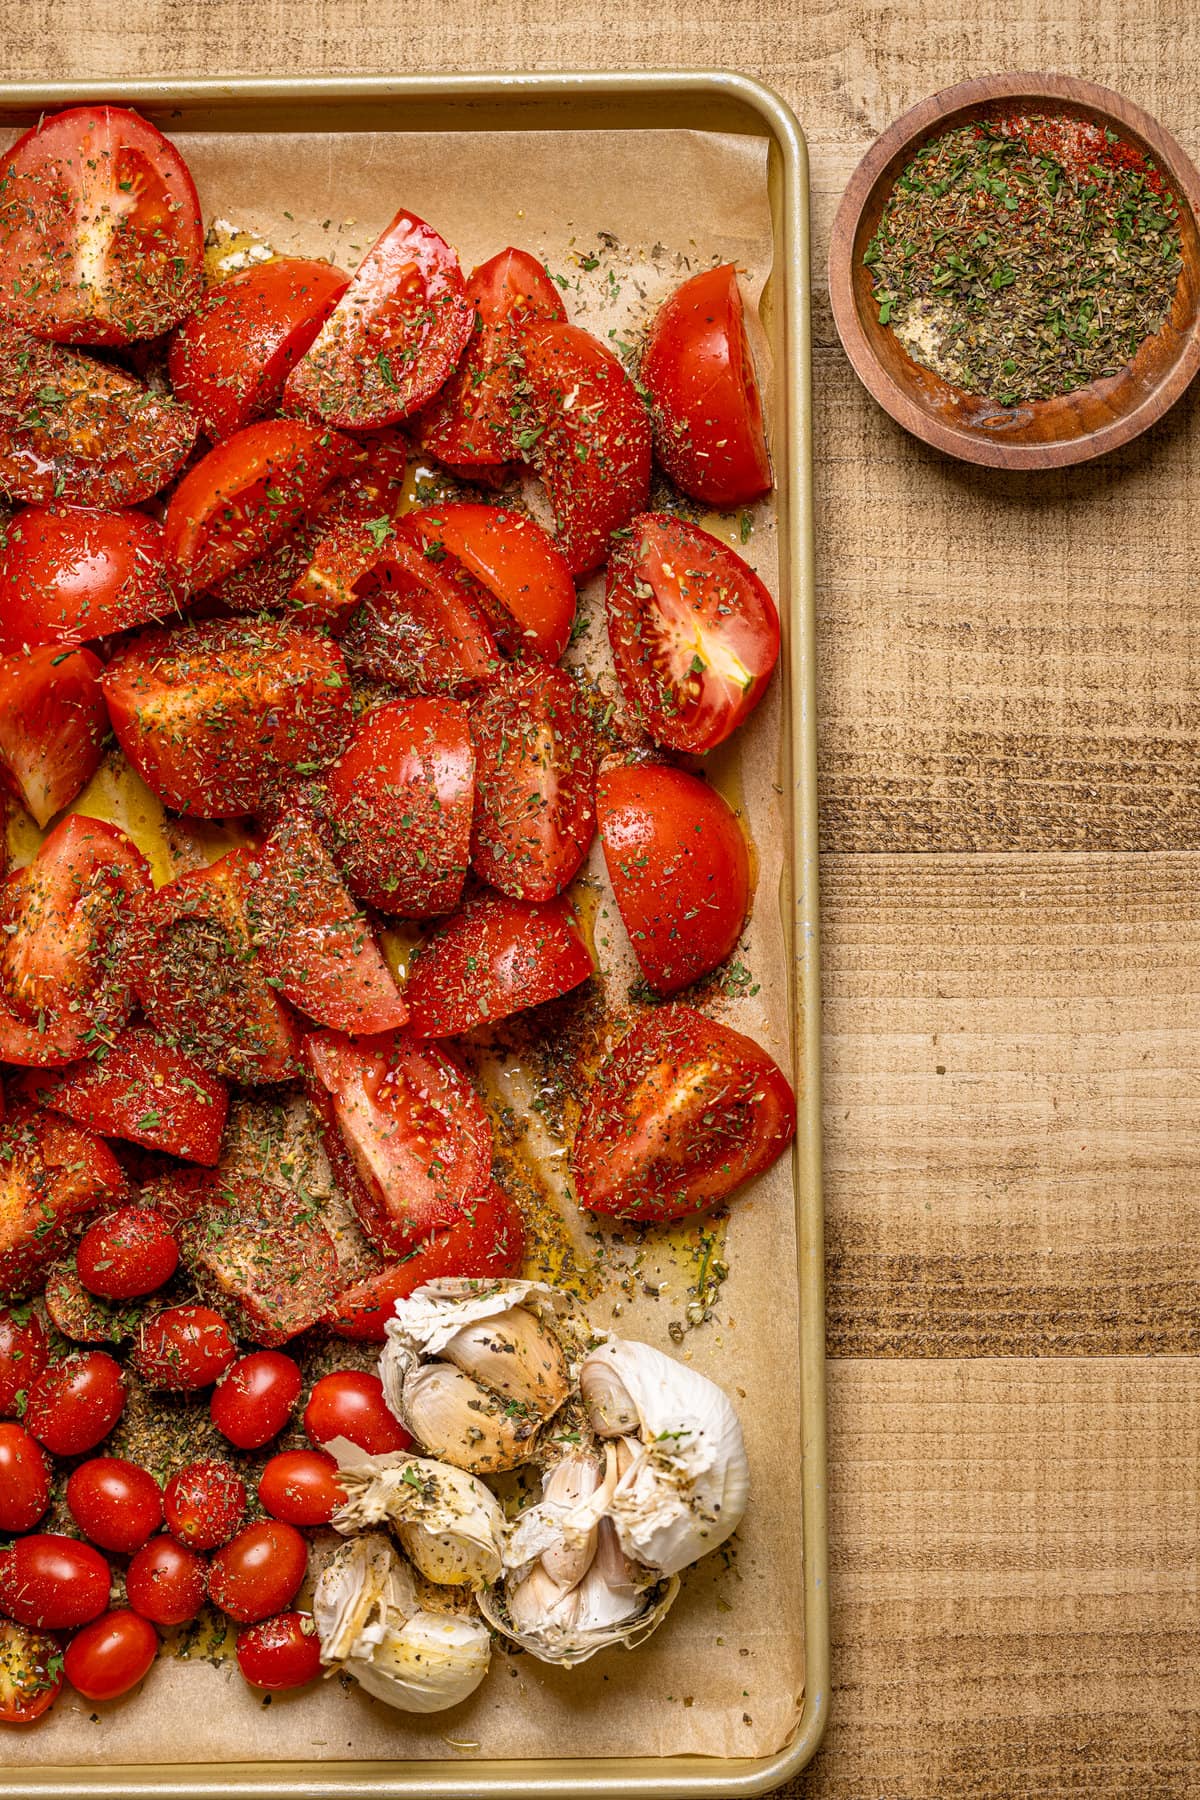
(1038, 434)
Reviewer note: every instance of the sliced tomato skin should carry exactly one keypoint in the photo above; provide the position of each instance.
(399, 801)
(592, 450)
(679, 867)
(210, 715)
(230, 359)
(263, 1257)
(144, 1090)
(417, 628)
(708, 419)
(392, 339)
(494, 957)
(405, 1132)
(517, 565)
(51, 1175)
(674, 593)
(52, 726)
(70, 573)
(23, 1356)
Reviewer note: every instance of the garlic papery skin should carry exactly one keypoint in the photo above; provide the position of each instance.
(449, 1524)
(686, 1485)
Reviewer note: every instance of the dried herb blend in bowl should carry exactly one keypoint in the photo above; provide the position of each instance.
(1024, 257)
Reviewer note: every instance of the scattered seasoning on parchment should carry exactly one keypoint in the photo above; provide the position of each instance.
(1024, 257)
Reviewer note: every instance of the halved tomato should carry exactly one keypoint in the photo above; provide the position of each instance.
(708, 418)
(52, 726)
(405, 1132)
(399, 801)
(231, 358)
(141, 1089)
(535, 811)
(494, 957)
(694, 632)
(68, 573)
(211, 715)
(51, 1175)
(682, 1112)
(589, 439)
(31, 1673)
(515, 564)
(101, 239)
(265, 1255)
(474, 417)
(486, 1241)
(394, 336)
(679, 868)
(417, 628)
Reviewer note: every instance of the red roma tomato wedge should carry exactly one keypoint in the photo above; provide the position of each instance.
(417, 627)
(265, 1258)
(708, 418)
(280, 1653)
(589, 441)
(472, 419)
(69, 572)
(66, 924)
(74, 1404)
(525, 578)
(31, 1676)
(679, 868)
(393, 337)
(682, 1112)
(246, 495)
(24, 1479)
(23, 1356)
(486, 1240)
(311, 939)
(51, 1174)
(535, 812)
(142, 1089)
(52, 726)
(405, 1132)
(52, 1582)
(211, 714)
(83, 432)
(229, 361)
(199, 982)
(101, 239)
(694, 632)
(111, 1655)
(399, 800)
(494, 957)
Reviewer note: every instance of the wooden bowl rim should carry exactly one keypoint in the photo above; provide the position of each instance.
(908, 131)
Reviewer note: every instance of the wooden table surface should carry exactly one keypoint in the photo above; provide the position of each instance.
(1011, 804)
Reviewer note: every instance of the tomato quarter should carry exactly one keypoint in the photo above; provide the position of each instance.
(111, 1655)
(204, 1504)
(265, 1256)
(183, 1348)
(280, 1653)
(72, 572)
(114, 1503)
(24, 1479)
(258, 1573)
(127, 1253)
(53, 1582)
(165, 1582)
(418, 627)
(75, 1403)
(494, 957)
(350, 1404)
(51, 1173)
(143, 1089)
(253, 1400)
(301, 1486)
(52, 726)
(526, 583)
(81, 1316)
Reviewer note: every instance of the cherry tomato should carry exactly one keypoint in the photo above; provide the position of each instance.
(71, 572)
(101, 239)
(393, 337)
(269, 1260)
(110, 1655)
(421, 626)
(283, 1652)
(253, 1400)
(204, 1503)
(258, 1572)
(406, 1134)
(51, 1173)
(23, 1352)
(141, 1088)
(708, 417)
(31, 1675)
(75, 1403)
(694, 632)
(399, 800)
(681, 1113)
(53, 1582)
(493, 957)
(679, 868)
(114, 1503)
(231, 358)
(302, 1487)
(527, 585)
(127, 1253)
(183, 1348)
(165, 1582)
(52, 726)
(24, 1479)
(350, 1404)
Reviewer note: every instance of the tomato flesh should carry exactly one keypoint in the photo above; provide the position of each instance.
(263, 1256)
(350, 1404)
(52, 726)
(114, 1503)
(204, 1504)
(253, 1400)
(494, 957)
(527, 583)
(74, 1404)
(24, 1479)
(142, 1089)
(127, 1253)
(417, 628)
(165, 1582)
(52, 1583)
(280, 1653)
(69, 573)
(51, 1174)
(31, 1675)
(258, 1572)
(302, 1487)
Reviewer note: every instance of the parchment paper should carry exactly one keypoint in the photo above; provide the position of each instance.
(724, 1674)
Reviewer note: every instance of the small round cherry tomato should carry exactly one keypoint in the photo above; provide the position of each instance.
(183, 1348)
(126, 1253)
(110, 1655)
(204, 1503)
(23, 1356)
(258, 1572)
(114, 1503)
(74, 1404)
(53, 1582)
(24, 1479)
(165, 1582)
(301, 1487)
(253, 1400)
(283, 1652)
(30, 1673)
(350, 1404)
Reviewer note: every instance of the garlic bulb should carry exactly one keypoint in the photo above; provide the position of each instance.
(686, 1479)
(446, 1520)
(372, 1621)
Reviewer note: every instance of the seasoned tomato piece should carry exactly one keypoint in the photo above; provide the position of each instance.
(280, 1653)
(492, 958)
(23, 1356)
(417, 628)
(75, 1403)
(264, 1257)
(51, 1175)
(127, 1253)
(143, 1089)
(406, 1134)
(24, 1478)
(525, 580)
(110, 1655)
(350, 1404)
(68, 573)
(31, 1675)
(52, 726)
(183, 1349)
(52, 1582)
(82, 1317)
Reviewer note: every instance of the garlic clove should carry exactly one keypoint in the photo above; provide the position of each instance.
(559, 1532)
(433, 1661)
(460, 1422)
(610, 1409)
(362, 1583)
(447, 1521)
(514, 1354)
